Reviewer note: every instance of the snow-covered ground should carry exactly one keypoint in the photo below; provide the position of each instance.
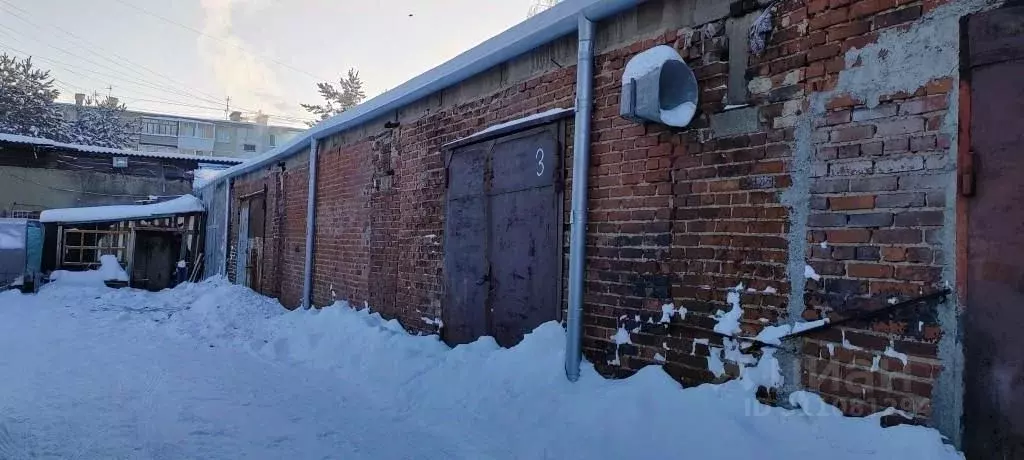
(214, 371)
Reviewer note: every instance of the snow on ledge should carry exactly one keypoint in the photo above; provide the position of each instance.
(181, 205)
(510, 125)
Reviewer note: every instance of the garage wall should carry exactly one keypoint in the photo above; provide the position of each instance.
(286, 188)
(816, 179)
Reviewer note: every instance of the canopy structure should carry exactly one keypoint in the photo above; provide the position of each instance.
(184, 204)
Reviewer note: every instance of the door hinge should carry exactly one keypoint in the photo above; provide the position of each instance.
(968, 176)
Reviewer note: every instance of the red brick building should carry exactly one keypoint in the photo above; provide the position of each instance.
(828, 171)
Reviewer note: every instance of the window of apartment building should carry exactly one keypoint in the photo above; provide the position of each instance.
(196, 129)
(158, 127)
(273, 140)
(249, 147)
(224, 134)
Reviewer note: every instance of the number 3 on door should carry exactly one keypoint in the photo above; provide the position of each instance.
(540, 162)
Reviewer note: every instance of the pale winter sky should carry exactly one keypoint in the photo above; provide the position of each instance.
(266, 54)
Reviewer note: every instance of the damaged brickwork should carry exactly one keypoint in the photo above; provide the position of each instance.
(285, 186)
(823, 184)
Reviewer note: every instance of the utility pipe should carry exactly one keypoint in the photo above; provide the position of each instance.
(307, 282)
(578, 216)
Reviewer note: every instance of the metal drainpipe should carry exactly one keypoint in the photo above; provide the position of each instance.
(307, 282)
(578, 216)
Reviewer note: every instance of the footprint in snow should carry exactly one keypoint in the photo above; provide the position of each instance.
(12, 444)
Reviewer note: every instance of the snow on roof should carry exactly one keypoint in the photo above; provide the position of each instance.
(512, 124)
(524, 120)
(181, 205)
(19, 139)
(557, 21)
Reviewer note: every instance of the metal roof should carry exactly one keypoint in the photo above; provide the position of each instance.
(38, 141)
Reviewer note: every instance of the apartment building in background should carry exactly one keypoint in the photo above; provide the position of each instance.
(236, 137)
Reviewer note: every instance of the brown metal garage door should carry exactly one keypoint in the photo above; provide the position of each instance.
(994, 342)
(502, 245)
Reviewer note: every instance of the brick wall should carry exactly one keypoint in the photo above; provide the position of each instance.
(421, 182)
(285, 228)
(292, 263)
(685, 216)
(341, 247)
(881, 172)
(680, 217)
(380, 206)
(848, 178)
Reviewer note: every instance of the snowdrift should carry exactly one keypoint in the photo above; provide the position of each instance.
(481, 400)
(520, 396)
(109, 270)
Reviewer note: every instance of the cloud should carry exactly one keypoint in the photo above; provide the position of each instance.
(243, 75)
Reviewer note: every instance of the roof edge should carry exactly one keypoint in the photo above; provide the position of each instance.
(82, 148)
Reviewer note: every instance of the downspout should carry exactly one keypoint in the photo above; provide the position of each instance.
(307, 282)
(578, 216)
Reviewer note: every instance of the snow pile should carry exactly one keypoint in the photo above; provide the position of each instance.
(213, 370)
(180, 205)
(481, 381)
(810, 274)
(621, 337)
(728, 323)
(669, 310)
(774, 334)
(109, 270)
(891, 352)
(754, 372)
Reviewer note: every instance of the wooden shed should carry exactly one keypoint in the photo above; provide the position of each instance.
(151, 241)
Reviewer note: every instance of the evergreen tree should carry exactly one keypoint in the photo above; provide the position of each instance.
(26, 100)
(348, 94)
(101, 122)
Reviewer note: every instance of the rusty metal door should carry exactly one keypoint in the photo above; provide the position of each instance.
(242, 251)
(994, 344)
(257, 231)
(466, 262)
(502, 245)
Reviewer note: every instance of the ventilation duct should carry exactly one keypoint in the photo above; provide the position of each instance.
(658, 87)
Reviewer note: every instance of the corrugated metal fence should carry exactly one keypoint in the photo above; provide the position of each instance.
(215, 250)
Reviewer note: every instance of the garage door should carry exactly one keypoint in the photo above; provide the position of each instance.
(994, 345)
(502, 237)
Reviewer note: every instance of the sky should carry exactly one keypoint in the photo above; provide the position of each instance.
(186, 56)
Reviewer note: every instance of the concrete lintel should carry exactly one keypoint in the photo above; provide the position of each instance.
(734, 122)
